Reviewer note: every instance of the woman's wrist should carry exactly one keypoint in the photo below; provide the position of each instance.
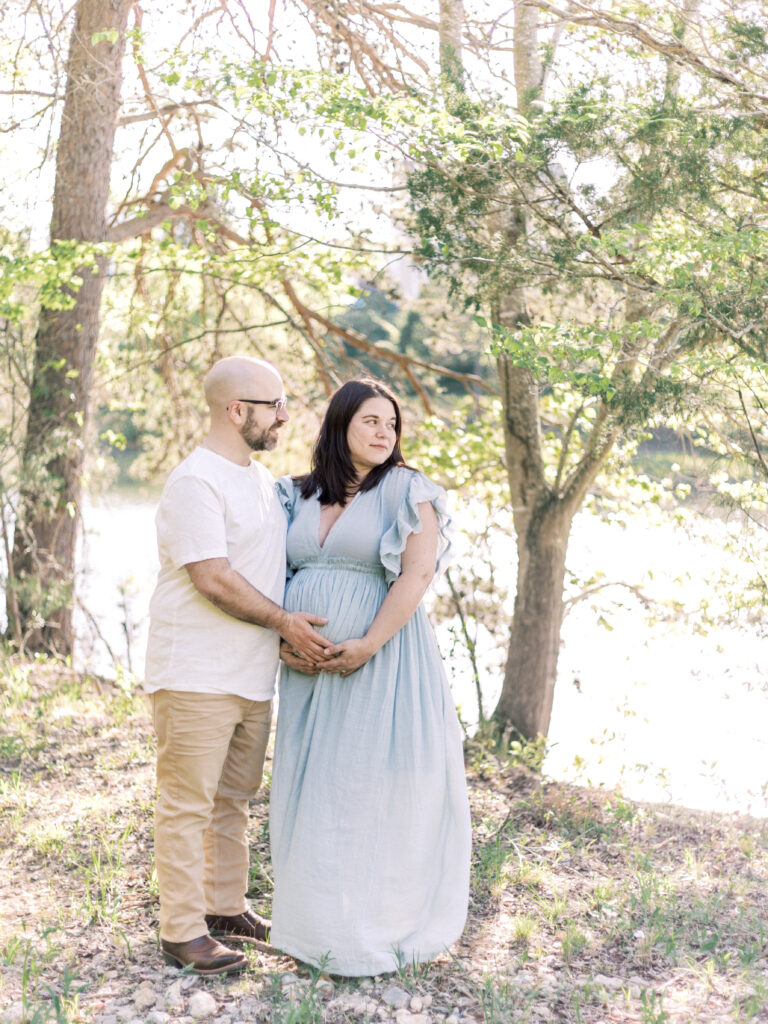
(370, 645)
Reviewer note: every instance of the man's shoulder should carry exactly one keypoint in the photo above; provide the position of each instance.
(194, 467)
(204, 469)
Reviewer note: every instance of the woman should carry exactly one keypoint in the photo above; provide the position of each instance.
(369, 817)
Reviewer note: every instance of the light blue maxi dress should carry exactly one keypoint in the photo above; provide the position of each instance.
(369, 817)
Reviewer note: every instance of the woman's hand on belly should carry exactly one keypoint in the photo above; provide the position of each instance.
(297, 663)
(348, 656)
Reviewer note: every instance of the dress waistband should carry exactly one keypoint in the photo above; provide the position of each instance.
(340, 562)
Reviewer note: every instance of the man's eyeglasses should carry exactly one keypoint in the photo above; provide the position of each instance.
(278, 404)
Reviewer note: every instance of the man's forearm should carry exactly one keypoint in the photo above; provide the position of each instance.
(232, 593)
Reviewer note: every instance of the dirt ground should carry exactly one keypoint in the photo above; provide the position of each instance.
(585, 907)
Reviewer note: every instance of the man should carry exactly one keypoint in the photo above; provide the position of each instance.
(215, 626)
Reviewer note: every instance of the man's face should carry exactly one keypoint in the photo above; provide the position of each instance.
(260, 430)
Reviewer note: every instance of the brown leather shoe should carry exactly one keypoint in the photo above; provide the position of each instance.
(203, 956)
(247, 926)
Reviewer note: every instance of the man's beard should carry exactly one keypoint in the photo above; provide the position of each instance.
(256, 439)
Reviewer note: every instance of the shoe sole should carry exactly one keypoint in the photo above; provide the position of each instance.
(235, 968)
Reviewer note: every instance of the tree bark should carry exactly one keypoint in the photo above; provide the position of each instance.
(525, 704)
(451, 27)
(52, 461)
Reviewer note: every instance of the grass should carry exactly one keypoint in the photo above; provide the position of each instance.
(585, 907)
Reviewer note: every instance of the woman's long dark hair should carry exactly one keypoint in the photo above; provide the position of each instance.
(333, 475)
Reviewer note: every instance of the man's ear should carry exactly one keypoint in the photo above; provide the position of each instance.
(236, 412)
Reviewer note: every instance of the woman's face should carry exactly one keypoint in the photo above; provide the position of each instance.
(371, 434)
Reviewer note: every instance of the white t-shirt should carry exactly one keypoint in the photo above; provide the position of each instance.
(212, 507)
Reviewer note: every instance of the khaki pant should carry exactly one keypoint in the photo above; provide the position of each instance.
(210, 757)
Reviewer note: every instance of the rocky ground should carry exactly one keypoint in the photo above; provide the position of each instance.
(585, 907)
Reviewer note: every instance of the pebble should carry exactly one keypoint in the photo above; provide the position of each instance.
(406, 1017)
(13, 1014)
(416, 1004)
(397, 997)
(158, 1017)
(202, 1004)
(174, 1000)
(286, 980)
(354, 1003)
(144, 997)
(612, 984)
(107, 1018)
(125, 1012)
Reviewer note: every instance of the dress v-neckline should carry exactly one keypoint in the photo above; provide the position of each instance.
(341, 515)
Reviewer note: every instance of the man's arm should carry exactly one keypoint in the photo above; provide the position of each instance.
(217, 581)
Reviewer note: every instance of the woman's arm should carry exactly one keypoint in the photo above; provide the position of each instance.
(402, 600)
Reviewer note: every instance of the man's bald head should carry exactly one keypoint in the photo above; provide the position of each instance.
(240, 377)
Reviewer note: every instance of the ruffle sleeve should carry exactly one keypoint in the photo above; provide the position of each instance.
(406, 521)
(286, 492)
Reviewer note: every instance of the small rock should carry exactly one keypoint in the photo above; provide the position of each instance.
(426, 1000)
(125, 1012)
(158, 1017)
(13, 1014)
(248, 1007)
(451, 1019)
(612, 984)
(189, 982)
(354, 1003)
(366, 984)
(106, 1018)
(144, 997)
(286, 980)
(202, 1004)
(397, 997)
(325, 988)
(416, 1004)
(174, 1000)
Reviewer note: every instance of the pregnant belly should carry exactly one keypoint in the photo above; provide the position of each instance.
(348, 599)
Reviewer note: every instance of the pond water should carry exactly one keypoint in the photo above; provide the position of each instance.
(665, 711)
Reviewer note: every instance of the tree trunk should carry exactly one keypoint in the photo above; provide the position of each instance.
(451, 27)
(541, 523)
(52, 462)
(525, 704)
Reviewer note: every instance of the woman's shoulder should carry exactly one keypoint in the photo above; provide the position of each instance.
(404, 482)
(398, 479)
(289, 492)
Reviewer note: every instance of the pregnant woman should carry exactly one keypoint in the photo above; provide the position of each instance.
(369, 816)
